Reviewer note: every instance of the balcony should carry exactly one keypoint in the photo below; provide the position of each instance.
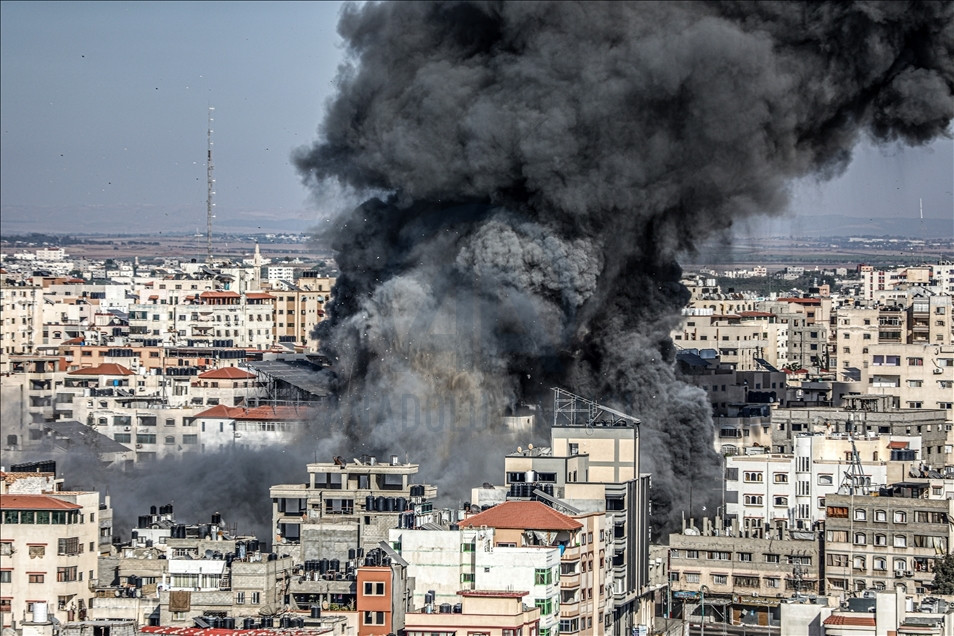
(571, 554)
(569, 581)
(570, 610)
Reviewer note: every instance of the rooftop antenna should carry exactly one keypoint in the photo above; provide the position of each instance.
(209, 204)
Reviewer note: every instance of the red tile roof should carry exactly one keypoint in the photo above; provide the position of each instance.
(258, 413)
(898, 445)
(219, 294)
(109, 368)
(257, 295)
(756, 314)
(227, 373)
(35, 502)
(841, 619)
(73, 341)
(522, 515)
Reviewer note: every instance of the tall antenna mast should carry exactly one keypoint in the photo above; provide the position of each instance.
(209, 205)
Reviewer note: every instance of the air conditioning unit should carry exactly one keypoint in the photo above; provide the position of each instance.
(938, 371)
(908, 573)
(138, 445)
(126, 428)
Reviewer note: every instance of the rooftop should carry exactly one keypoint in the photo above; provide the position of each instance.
(35, 502)
(522, 515)
(109, 368)
(841, 619)
(227, 373)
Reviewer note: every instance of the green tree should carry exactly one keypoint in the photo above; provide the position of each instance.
(944, 575)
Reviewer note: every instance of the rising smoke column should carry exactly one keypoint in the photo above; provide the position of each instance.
(539, 166)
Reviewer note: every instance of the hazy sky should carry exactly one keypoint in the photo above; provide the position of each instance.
(104, 114)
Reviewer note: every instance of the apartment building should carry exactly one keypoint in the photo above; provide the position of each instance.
(903, 350)
(765, 491)
(888, 539)
(21, 319)
(742, 340)
(734, 578)
(479, 557)
(206, 319)
(347, 506)
(490, 612)
(49, 545)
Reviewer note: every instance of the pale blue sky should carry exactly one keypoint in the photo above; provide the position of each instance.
(104, 110)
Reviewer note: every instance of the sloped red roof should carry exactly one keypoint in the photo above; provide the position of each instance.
(756, 314)
(219, 294)
(109, 368)
(35, 502)
(841, 619)
(73, 341)
(897, 445)
(226, 373)
(257, 295)
(258, 413)
(522, 515)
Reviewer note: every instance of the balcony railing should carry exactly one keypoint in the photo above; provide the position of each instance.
(571, 553)
(569, 581)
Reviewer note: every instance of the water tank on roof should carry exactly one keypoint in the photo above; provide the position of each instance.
(446, 608)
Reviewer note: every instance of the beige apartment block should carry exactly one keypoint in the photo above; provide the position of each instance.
(21, 320)
(739, 338)
(887, 541)
(493, 613)
(738, 574)
(49, 545)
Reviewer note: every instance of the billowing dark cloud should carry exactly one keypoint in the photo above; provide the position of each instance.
(542, 166)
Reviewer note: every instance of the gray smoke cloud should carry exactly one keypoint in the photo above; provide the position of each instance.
(543, 166)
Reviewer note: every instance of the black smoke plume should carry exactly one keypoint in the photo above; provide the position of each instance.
(538, 167)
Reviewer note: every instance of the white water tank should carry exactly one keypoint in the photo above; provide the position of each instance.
(39, 613)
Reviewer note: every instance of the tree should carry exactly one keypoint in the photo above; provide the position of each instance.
(944, 575)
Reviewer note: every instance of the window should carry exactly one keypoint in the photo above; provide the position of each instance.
(720, 579)
(373, 588)
(825, 480)
(6, 576)
(692, 577)
(861, 514)
(466, 547)
(900, 541)
(374, 618)
(719, 556)
(542, 576)
(66, 574)
(771, 558)
(781, 501)
(861, 539)
(881, 515)
(775, 583)
(837, 560)
(190, 440)
(692, 554)
(753, 500)
(240, 598)
(879, 563)
(545, 605)
(745, 556)
(68, 546)
(781, 478)
(880, 540)
(900, 516)
(752, 476)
